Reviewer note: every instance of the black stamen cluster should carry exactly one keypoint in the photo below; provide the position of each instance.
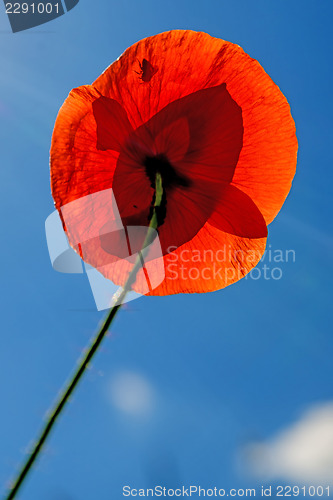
(170, 178)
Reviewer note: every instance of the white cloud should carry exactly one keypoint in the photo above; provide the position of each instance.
(301, 453)
(131, 393)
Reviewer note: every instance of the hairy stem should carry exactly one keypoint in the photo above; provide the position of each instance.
(90, 351)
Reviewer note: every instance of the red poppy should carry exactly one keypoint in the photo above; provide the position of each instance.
(206, 116)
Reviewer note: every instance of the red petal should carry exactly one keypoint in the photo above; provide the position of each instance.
(173, 139)
(210, 261)
(183, 63)
(207, 126)
(237, 214)
(78, 168)
(113, 126)
(186, 62)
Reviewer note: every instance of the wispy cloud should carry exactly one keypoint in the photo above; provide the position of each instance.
(131, 393)
(302, 452)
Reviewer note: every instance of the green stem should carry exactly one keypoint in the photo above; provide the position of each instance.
(96, 341)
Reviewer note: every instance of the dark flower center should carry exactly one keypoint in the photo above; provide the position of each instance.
(170, 177)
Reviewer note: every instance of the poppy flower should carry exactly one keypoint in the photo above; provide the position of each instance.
(207, 117)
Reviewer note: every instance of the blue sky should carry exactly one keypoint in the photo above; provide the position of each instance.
(214, 371)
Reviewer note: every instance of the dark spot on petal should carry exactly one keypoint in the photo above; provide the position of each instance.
(147, 70)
